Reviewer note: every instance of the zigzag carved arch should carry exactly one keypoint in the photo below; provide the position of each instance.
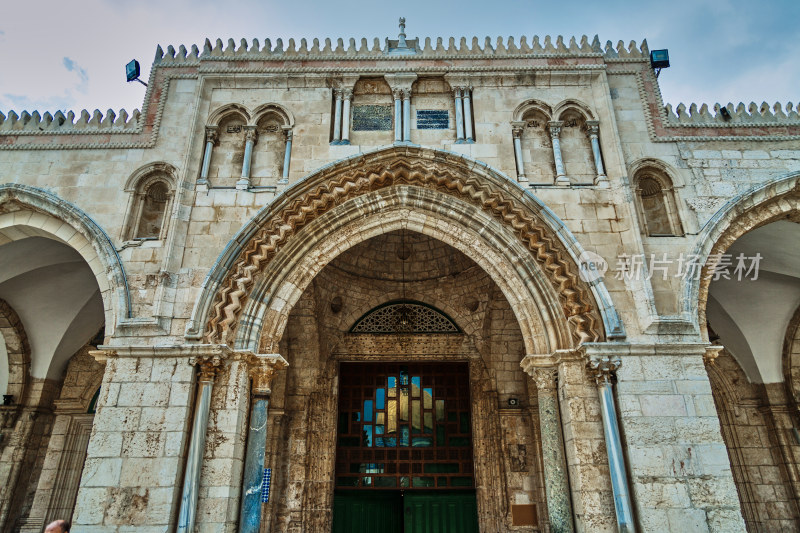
(413, 166)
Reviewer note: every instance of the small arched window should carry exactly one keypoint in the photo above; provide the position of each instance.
(656, 204)
(151, 203)
(154, 206)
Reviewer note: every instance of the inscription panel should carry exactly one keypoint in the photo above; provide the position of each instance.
(372, 118)
(433, 119)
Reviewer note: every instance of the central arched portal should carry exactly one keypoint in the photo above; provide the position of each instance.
(378, 241)
(404, 403)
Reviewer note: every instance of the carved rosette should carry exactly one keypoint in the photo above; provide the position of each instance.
(602, 368)
(208, 366)
(263, 369)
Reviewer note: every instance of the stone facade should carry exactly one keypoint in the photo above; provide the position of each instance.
(171, 276)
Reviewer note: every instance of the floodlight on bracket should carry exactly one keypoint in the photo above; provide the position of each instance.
(659, 59)
(132, 72)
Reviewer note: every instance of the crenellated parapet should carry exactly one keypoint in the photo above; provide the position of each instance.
(464, 48)
(59, 122)
(753, 114)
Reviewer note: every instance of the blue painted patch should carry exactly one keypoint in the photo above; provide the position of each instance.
(433, 119)
(265, 484)
(372, 118)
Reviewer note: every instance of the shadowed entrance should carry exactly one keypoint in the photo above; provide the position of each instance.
(404, 449)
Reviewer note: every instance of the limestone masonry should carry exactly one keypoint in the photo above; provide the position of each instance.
(478, 285)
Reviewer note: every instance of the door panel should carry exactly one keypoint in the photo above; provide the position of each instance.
(440, 512)
(364, 512)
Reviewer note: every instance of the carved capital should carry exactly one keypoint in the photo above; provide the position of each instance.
(250, 134)
(101, 356)
(287, 131)
(212, 135)
(546, 378)
(337, 93)
(397, 94)
(592, 128)
(555, 128)
(347, 94)
(711, 354)
(208, 366)
(517, 128)
(263, 368)
(602, 368)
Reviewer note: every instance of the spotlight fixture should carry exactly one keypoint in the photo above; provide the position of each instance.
(513, 402)
(132, 72)
(659, 59)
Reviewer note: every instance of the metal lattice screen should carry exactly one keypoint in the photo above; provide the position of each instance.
(404, 426)
(405, 317)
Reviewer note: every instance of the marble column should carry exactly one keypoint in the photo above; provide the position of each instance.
(469, 133)
(212, 139)
(602, 369)
(398, 114)
(250, 136)
(262, 370)
(187, 515)
(559, 507)
(407, 115)
(287, 155)
(337, 120)
(593, 131)
(555, 131)
(459, 116)
(516, 131)
(347, 98)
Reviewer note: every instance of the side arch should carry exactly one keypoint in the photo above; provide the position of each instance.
(531, 225)
(29, 211)
(12, 334)
(774, 200)
(281, 111)
(576, 105)
(230, 109)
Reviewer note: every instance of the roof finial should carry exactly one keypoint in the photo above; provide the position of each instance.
(401, 43)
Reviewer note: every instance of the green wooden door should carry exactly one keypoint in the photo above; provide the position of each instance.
(440, 512)
(367, 512)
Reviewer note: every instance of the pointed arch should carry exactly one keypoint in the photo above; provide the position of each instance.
(524, 247)
(27, 211)
(768, 202)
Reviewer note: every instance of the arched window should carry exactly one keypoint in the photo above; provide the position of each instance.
(656, 204)
(152, 193)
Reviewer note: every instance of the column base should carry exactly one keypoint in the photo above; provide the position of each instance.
(283, 181)
(522, 178)
(243, 184)
(344, 142)
(202, 186)
(562, 181)
(602, 182)
(460, 141)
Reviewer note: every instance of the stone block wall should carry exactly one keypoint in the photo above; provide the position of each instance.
(680, 473)
(135, 459)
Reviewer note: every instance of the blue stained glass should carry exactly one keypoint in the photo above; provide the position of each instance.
(368, 411)
(380, 399)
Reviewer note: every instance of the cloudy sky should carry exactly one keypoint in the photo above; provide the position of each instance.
(71, 54)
